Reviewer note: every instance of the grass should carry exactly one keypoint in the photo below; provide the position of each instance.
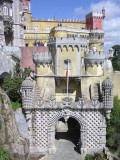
(4, 154)
(15, 105)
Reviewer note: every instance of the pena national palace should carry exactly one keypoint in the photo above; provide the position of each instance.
(71, 89)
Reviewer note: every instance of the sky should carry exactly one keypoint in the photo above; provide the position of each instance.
(77, 9)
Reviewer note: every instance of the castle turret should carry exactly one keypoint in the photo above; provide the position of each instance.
(107, 96)
(103, 12)
(27, 93)
(27, 5)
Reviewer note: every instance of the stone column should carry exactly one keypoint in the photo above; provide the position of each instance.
(78, 62)
(83, 140)
(51, 140)
(30, 129)
(102, 134)
(57, 62)
(2, 38)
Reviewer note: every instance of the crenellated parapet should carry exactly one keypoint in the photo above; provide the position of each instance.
(79, 42)
(92, 57)
(42, 58)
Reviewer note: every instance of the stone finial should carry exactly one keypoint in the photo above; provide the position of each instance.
(107, 83)
(27, 93)
(107, 96)
(27, 83)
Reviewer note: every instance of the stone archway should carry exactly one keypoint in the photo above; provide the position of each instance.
(51, 130)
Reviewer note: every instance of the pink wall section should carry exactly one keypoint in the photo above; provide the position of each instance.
(97, 23)
(90, 23)
(27, 55)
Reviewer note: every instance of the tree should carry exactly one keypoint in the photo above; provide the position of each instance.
(113, 127)
(12, 84)
(116, 58)
(12, 87)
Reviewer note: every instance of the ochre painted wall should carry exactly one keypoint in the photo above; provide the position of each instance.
(64, 54)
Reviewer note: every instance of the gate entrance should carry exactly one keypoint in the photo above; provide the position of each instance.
(69, 130)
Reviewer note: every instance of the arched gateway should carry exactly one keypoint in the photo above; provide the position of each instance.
(42, 117)
(66, 113)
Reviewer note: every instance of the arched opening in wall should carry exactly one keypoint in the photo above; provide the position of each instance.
(68, 130)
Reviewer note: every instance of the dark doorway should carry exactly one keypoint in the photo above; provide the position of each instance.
(72, 133)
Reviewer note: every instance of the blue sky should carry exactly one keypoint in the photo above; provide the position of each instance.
(77, 9)
(63, 9)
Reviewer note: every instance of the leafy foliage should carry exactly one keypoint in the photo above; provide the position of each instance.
(96, 156)
(116, 58)
(15, 105)
(12, 84)
(12, 87)
(113, 127)
(4, 154)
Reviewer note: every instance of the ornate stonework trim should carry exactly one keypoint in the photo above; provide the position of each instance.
(66, 114)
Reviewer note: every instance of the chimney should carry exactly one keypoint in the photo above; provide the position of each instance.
(54, 18)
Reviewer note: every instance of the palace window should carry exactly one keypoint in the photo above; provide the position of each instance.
(48, 28)
(66, 64)
(10, 12)
(25, 19)
(36, 27)
(36, 36)
(82, 61)
(101, 46)
(5, 11)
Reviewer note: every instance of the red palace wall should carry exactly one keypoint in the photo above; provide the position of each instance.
(90, 23)
(27, 55)
(97, 23)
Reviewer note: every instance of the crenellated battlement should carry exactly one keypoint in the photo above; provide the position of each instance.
(94, 14)
(68, 29)
(58, 20)
(42, 58)
(96, 57)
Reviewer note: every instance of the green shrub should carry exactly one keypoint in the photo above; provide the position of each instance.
(113, 127)
(15, 105)
(96, 156)
(89, 157)
(4, 154)
(119, 154)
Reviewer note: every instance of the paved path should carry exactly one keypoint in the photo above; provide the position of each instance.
(65, 151)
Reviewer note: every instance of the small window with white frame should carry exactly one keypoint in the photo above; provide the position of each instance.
(25, 19)
(10, 12)
(48, 28)
(65, 66)
(5, 10)
(36, 27)
(101, 46)
(36, 36)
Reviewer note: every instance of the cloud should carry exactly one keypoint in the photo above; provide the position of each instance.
(79, 11)
(112, 8)
(111, 22)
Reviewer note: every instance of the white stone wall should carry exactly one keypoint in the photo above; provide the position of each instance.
(18, 23)
(94, 136)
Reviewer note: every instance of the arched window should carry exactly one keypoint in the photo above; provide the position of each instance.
(48, 28)
(10, 12)
(25, 19)
(36, 36)
(5, 11)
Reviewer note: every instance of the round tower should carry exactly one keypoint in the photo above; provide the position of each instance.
(44, 73)
(27, 93)
(107, 96)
